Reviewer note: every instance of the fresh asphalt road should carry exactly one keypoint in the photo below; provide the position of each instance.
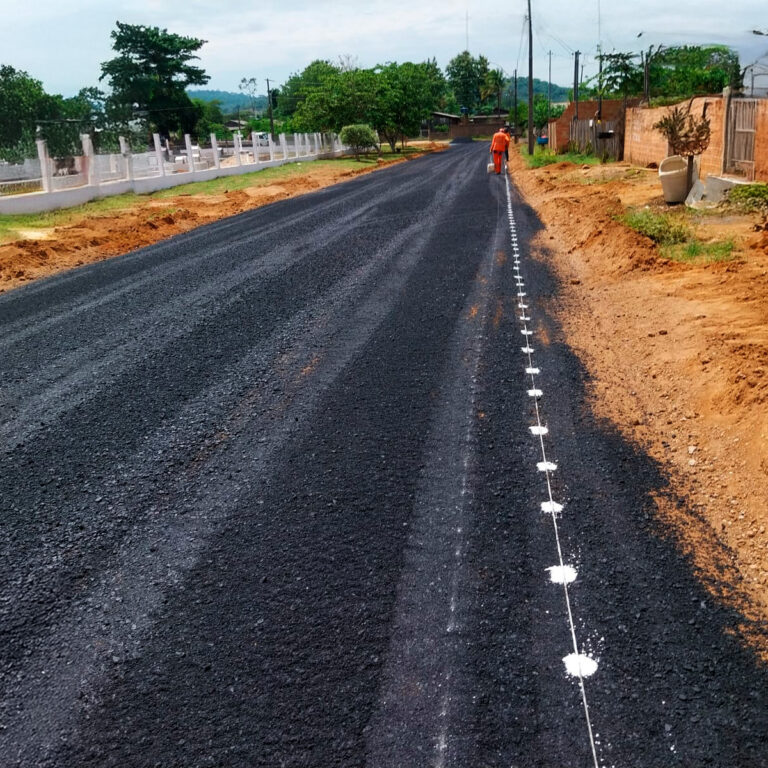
(270, 498)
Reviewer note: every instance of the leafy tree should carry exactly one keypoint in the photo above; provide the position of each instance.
(151, 74)
(466, 76)
(622, 75)
(493, 86)
(211, 120)
(688, 70)
(250, 86)
(405, 95)
(21, 99)
(300, 86)
(359, 138)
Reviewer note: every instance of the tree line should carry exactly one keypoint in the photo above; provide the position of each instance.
(144, 90)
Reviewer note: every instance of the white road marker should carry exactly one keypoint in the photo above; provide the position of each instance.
(526, 332)
(538, 430)
(527, 350)
(551, 507)
(580, 665)
(535, 393)
(532, 371)
(546, 466)
(562, 574)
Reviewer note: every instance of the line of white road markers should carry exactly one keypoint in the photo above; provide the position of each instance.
(577, 664)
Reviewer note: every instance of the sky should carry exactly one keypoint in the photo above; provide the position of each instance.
(63, 42)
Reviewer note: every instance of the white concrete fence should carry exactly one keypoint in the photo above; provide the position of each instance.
(46, 184)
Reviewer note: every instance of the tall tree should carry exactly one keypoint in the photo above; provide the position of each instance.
(21, 101)
(466, 76)
(493, 87)
(406, 94)
(151, 74)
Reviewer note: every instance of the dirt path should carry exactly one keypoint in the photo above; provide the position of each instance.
(679, 359)
(151, 218)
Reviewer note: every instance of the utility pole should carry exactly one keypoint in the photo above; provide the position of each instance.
(515, 106)
(530, 81)
(599, 83)
(576, 86)
(269, 109)
(549, 89)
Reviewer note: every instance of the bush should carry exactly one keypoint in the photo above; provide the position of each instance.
(749, 197)
(658, 226)
(359, 138)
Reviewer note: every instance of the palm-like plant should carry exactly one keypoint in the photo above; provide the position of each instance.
(493, 86)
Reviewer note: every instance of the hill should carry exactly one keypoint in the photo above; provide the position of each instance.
(559, 93)
(230, 100)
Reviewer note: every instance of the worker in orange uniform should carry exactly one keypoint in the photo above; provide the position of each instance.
(499, 145)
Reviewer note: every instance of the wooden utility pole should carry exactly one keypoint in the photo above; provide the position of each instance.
(269, 107)
(599, 83)
(576, 86)
(515, 106)
(530, 81)
(549, 89)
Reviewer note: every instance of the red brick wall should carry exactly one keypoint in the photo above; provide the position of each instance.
(644, 145)
(761, 141)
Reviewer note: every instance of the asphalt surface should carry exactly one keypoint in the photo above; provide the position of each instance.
(270, 498)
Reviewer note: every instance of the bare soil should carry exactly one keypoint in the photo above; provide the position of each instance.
(678, 355)
(43, 252)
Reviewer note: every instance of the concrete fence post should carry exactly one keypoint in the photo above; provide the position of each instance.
(283, 146)
(271, 145)
(255, 144)
(190, 156)
(237, 141)
(45, 165)
(314, 142)
(215, 149)
(159, 154)
(125, 151)
(296, 144)
(90, 160)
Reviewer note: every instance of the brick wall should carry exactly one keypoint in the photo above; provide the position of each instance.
(560, 129)
(470, 130)
(644, 145)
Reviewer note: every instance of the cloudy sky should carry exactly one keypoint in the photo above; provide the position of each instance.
(63, 42)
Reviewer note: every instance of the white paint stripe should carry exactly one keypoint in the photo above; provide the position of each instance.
(551, 507)
(527, 350)
(546, 466)
(577, 664)
(532, 371)
(535, 393)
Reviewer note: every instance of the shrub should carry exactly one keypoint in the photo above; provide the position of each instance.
(750, 197)
(359, 138)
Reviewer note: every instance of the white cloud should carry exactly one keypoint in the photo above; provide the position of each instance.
(63, 44)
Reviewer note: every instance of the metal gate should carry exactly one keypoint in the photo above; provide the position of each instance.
(740, 146)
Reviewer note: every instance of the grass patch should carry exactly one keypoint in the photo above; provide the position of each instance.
(749, 197)
(542, 157)
(660, 227)
(701, 253)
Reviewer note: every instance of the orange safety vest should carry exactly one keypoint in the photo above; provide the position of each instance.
(499, 142)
